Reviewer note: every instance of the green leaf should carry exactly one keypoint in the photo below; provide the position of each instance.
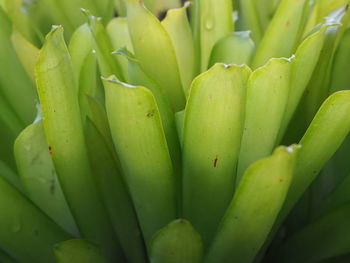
(177, 242)
(138, 77)
(326, 238)
(324, 136)
(64, 134)
(215, 23)
(78, 250)
(254, 208)
(139, 138)
(303, 66)
(14, 80)
(236, 48)
(118, 33)
(107, 63)
(116, 197)
(180, 122)
(318, 87)
(322, 9)
(7, 138)
(20, 19)
(283, 33)
(194, 11)
(158, 6)
(120, 7)
(10, 176)
(26, 233)
(153, 48)
(80, 46)
(265, 11)
(212, 135)
(98, 116)
(267, 95)
(26, 52)
(81, 49)
(9, 119)
(340, 79)
(38, 176)
(250, 16)
(179, 30)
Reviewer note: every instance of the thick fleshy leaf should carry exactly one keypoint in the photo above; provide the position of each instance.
(9, 119)
(38, 176)
(118, 33)
(83, 56)
(266, 10)
(139, 138)
(324, 136)
(26, 233)
(26, 52)
(10, 176)
(177, 242)
(107, 63)
(322, 9)
(180, 121)
(195, 26)
(318, 87)
(80, 46)
(158, 6)
(212, 135)
(78, 250)
(14, 80)
(254, 208)
(115, 195)
(340, 78)
(283, 33)
(20, 20)
(215, 22)
(154, 49)
(250, 17)
(120, 7)
(326, 238)
(303, 66)
(64, 134)
(236, 48)
(138, 77)
(7, 138)
(179, 30)
(267, 95)
(98, 116)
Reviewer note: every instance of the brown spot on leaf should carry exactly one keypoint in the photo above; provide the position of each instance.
(150, 114)
(287, 23)
(50, 149)
(216, 161)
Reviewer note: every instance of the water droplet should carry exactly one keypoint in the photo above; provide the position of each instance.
(16, 225)
(209, 23)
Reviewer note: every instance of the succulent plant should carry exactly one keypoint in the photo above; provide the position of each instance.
(152, 132)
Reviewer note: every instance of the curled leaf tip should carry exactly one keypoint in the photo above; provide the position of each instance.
(187, 4)
(114, 79)
(89, 15)
(123, 51)
(335, 17)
